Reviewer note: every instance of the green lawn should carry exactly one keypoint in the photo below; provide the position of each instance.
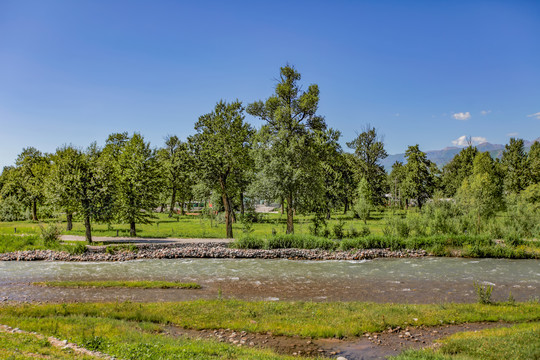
(191, 226)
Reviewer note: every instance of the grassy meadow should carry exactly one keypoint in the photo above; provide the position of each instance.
(137, 331)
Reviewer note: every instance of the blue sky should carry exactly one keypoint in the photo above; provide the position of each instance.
(425, 72)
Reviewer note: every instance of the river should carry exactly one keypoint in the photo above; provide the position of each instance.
(410, 280)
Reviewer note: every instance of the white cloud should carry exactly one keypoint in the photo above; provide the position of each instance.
(396, 114)
(512, 134)
(536, 116)
(462, 116)
(485, 112)
(464, 140)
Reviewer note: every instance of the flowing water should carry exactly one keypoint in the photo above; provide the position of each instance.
(414, 280)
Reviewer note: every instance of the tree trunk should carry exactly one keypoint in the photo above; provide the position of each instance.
(242, 203)
(231, 209)
(88, 229)
(182, 212)
(34, 210)
(173, 201)
(419, 203)
(228, 220)
(346, 207)
(282, 207)
(290, 215)
(69, 218)
(132, 230)
(328, 215)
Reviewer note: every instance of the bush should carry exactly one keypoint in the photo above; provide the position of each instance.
(248, 242)
(338, 230)
(11, 209)
(483, 293)
(50, 234)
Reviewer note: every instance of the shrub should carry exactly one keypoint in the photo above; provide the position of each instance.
(50, 234)
(248, 242)
(483, 293)
(338, 230)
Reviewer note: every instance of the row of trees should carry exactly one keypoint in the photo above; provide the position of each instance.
(294, 159)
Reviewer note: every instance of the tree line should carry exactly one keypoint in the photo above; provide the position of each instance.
(294, 159)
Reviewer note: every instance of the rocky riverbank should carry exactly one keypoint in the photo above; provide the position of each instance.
(205, 250)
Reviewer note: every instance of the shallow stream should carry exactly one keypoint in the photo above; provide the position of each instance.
(412, 280)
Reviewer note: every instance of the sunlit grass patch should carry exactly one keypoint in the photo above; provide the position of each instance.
(519, 342)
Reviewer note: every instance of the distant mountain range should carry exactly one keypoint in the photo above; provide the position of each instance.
(442, 157)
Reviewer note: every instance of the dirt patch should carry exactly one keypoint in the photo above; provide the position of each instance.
(369, 347)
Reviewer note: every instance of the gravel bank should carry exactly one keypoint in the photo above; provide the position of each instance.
(206, 250)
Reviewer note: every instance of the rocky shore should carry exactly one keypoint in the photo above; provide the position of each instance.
(205, 250)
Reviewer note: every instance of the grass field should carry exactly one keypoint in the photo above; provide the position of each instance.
(192, 226)
(135, 331)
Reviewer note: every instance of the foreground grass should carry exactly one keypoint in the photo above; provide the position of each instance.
(310, 319)
(27, 346)
(146, 284)
(519, 342)
(130, 340)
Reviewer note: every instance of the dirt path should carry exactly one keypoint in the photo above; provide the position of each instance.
(369, 347)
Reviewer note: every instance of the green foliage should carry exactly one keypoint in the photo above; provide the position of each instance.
(115, 249)
(516, 167)
(419, 178)
(137, 180)
(483, 293)
(338, 231)
(50, 234)
(222, 152)
(363, 202)
(11, 209)
(369, 151)
(286, 148)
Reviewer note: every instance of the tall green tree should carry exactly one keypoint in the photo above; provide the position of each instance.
(369, 151)
(287, 162)
(419, 181)
(516, 168)
(60, 182)
(457, 170)
(480, 194)
(222, 149)
(137, 179)
(177, 164)
(364, 200)
(32, 171)
(83, 182)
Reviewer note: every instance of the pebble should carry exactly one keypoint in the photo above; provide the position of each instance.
(207, 250)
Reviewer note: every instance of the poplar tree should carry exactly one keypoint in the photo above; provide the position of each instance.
(286, 159)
